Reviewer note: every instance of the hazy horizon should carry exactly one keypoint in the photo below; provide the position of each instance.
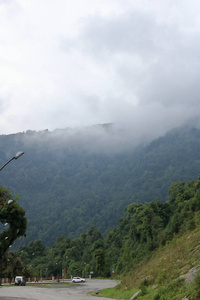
(75, 64)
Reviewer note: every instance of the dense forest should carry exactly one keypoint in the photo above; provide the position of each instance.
(144, 229)
(69, 181)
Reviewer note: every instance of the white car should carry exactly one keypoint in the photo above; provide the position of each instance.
(78, 279)
(19, 280)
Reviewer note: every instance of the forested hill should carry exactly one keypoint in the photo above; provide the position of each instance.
(69, 180)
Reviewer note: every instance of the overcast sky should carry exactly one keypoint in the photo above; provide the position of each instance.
(76, 63)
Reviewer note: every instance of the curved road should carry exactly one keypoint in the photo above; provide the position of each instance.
(56, 292)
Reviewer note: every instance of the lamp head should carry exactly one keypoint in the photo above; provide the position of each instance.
(20, 153)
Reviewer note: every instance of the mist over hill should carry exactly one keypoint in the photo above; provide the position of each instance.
(70, 179)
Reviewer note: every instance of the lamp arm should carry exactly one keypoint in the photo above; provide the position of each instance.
(7, 163)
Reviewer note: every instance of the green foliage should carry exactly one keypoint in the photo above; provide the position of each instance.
(86, 191)
(68, 185)
(161, 277)
(175, 189)
(118, 293)
(13, 225)
(78, 256)
(137, 234)
(12, 215)
(143, 229)
(13, 266)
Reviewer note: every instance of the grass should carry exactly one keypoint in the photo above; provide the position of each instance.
(115, 293)
(159, 278)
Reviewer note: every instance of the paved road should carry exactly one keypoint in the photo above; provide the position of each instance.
(58, 292)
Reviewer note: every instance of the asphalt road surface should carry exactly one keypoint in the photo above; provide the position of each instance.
(77, 291)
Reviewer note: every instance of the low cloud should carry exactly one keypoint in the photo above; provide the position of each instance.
(135, 65)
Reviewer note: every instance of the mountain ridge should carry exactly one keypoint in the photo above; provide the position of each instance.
(68, 184)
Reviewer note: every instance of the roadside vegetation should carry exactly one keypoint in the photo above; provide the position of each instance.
(172, 272)
(13, 225)
(154, 249)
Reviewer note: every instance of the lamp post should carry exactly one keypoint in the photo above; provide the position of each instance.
(18, 154)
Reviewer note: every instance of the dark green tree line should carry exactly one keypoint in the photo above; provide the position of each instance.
(143, 229)
(61, 179)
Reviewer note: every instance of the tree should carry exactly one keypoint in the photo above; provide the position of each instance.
(176, 189)
(13, 266)
(99, 256)
(14, 216)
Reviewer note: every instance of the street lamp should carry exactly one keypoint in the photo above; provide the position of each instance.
(18, 154)
(7, 203)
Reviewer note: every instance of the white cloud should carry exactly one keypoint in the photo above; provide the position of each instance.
(85, 62)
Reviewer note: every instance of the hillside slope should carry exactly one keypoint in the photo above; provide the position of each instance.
(173, 272)
(70, 181)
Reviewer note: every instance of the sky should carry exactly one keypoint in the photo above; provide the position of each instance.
(134, 63)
